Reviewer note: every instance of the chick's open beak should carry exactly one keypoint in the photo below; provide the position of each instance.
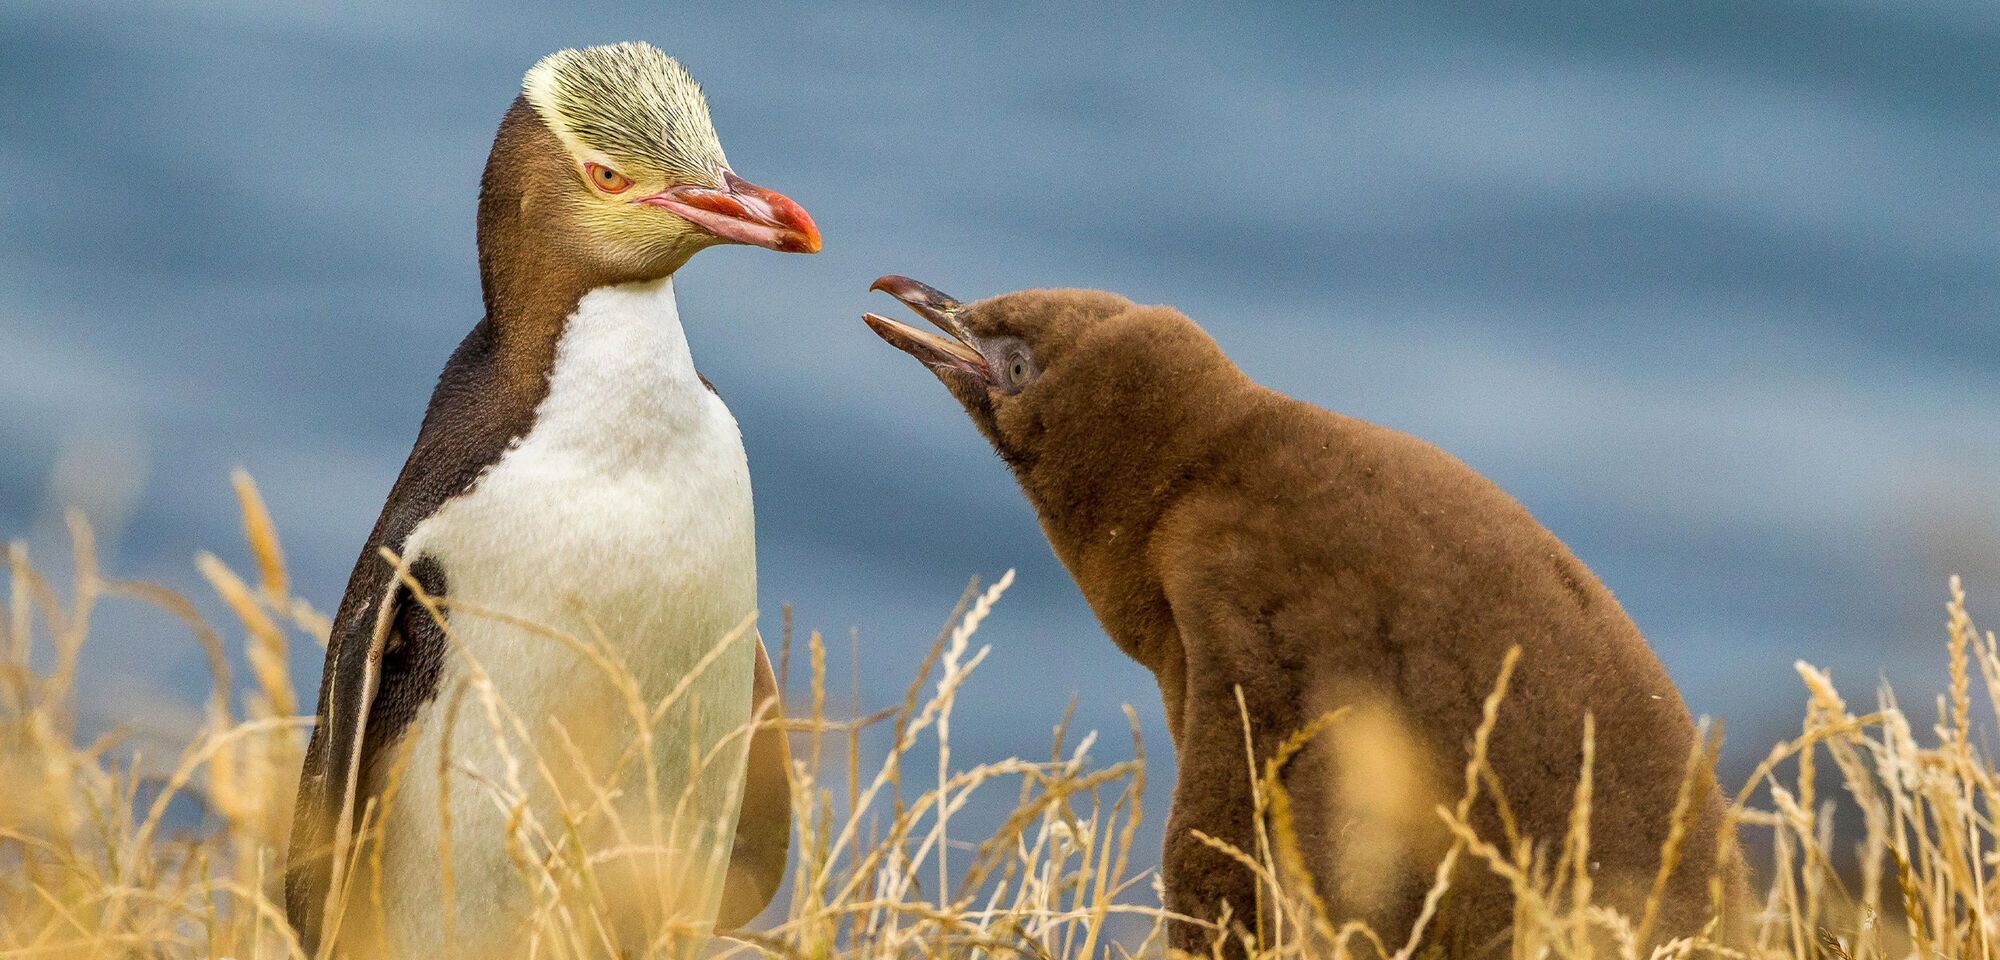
(960, 351)
(742, 212)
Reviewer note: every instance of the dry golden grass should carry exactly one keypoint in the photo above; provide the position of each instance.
(90, 868)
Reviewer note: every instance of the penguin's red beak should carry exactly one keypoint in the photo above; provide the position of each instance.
(742, 212)
(959, 352)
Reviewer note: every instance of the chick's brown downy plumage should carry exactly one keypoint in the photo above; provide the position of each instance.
(1231, 538)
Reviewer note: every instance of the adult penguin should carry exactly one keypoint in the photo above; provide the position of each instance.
(579, 496)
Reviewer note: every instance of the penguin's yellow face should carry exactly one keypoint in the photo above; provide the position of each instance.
(651, 186)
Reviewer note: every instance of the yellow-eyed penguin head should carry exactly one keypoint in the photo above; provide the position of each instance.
(648, 184)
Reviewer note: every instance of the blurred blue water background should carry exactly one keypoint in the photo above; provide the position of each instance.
(1713, 287)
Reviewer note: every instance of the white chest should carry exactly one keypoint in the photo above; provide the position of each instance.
(624, 517)
(629, 496)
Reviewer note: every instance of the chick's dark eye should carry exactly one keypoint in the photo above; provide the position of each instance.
(1017, 370)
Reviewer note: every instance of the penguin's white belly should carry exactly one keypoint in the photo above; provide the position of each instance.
(623, 520)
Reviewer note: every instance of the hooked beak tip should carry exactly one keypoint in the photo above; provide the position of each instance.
(742, 212)
(934, 304)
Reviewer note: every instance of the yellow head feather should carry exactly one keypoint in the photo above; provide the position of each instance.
(627, 105)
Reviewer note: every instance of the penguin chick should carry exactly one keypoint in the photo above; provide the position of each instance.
(1240, 543)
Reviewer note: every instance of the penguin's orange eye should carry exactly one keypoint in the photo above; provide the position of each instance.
(606, 179)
